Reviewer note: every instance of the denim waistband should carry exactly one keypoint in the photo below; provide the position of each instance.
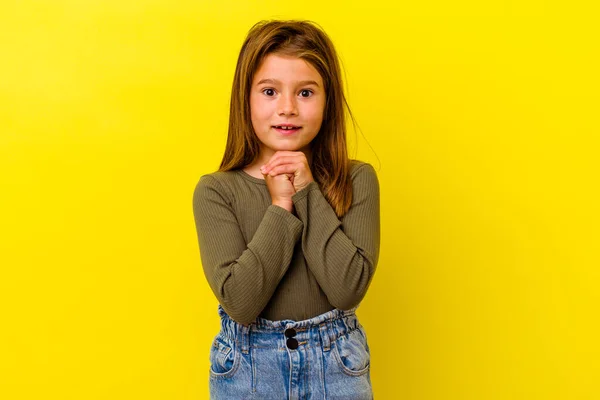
(325, 328)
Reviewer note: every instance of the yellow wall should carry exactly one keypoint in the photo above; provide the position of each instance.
(482, 118)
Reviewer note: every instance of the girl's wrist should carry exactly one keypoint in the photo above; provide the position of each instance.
(288, 205)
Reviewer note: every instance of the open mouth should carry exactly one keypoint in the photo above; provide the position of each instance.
(287, 129)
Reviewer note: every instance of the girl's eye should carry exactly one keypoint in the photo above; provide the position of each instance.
(304, 93)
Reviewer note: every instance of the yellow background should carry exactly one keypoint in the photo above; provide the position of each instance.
(479, 116)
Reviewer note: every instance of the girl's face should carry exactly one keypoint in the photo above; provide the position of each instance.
(286, 91)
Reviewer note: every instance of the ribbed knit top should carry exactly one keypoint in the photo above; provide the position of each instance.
(261, 260)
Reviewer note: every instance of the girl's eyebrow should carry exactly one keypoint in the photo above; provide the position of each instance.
(275, 81)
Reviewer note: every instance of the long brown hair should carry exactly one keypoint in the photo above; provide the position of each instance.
(329, 165)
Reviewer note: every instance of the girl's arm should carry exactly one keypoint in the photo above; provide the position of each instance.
(342, 254)
(242, 277)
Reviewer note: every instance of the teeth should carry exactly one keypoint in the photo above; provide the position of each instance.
(286, 127)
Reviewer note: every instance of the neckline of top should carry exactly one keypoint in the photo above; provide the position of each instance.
(250, 177)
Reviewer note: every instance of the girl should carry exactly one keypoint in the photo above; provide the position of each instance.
(288, 227)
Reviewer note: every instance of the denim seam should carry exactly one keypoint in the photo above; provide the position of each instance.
(252, 353)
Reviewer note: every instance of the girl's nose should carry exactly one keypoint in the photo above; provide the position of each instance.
(287, 105)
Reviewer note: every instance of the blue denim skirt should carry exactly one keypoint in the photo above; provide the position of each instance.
(324, 357)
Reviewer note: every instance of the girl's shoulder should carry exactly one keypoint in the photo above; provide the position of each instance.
(220, 175)
(219, 181)
(359, 165)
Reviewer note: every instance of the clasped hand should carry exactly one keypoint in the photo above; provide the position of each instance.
(286, 173)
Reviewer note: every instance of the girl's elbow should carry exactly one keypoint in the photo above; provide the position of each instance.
(240, 314)
(348, 300)
(345, 304)
(355, 293)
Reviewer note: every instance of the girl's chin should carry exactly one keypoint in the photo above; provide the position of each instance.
(284, 148)
(283, 145)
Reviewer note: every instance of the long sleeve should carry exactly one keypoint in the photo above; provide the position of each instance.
(242, 277)
(342, 254)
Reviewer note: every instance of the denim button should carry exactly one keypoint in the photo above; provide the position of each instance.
(290, 332)
(292, 343)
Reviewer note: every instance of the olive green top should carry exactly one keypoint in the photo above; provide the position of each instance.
(261, 260)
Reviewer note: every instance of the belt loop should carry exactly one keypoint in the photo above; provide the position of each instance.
(323, 331)
(244, 338)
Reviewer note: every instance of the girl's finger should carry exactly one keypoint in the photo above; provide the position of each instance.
(282, 153)
(278, 161)
(283, 169)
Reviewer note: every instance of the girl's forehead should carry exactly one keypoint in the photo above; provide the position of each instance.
(286, 69)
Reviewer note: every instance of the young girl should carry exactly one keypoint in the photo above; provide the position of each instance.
(288, 227)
